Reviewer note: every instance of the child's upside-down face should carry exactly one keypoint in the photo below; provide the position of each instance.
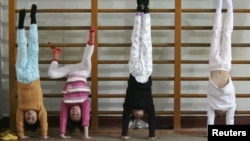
(75, 113)
(220, 113)
(30, 116)
(138, 113)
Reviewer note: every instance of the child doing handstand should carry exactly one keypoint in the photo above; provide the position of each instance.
(75, 107)
(138, 99)
(221, 92)
(30, 110)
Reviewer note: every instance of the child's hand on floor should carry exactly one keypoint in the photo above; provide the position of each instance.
(125, 137)
(23, 137)
(151, 138)
(65, 137)
(86, 138)
(44, 137)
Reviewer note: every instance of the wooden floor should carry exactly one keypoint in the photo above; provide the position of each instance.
(137, 135)
(110, 130)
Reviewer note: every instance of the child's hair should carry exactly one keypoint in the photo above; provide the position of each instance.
(72, 125)
(31, 127)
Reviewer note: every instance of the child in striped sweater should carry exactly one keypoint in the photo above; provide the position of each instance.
(75, 107)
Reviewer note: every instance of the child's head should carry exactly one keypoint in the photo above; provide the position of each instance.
(138, 113)
(74, 118)
(75, 113)
(31, 122)
(220, 113)
(30, 116)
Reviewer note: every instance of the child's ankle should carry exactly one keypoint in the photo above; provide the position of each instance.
(91, 36)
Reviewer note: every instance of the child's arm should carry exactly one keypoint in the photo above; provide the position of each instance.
(125, 121)
(63, 118)
(151, 121)
(85, 107)
(210, 115)
(20, 124)
(42, 115)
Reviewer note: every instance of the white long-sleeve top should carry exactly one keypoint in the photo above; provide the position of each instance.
(221, 99)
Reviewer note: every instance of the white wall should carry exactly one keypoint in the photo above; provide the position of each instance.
(123, 36)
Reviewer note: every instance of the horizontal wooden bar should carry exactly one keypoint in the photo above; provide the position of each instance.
(208, 45)
(120, 112)
(52, 95)
(154, 62)
(213, 10)
(154, 95)
(101, 45)
(210, 27)
(134, 10)
(131, 10)
(126, 78)
(131, 27)
(206, 62)
(126, 61)
(105, 61)
(45, 45)
(110, 79)
(206, 78)
(58, 10)
(157, 112)
(99, 28)
(114, 112)
(61, 27)
(205, 95)
(153, 78)
(123, 95)
(129, 44)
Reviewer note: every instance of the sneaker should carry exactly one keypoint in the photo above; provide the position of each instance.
(12, 137)
(8, 137)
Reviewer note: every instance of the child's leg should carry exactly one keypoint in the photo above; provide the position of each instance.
(33, 44)
(219, 4)
(22, 58)
(146, 46)
(86, 64)
(134, 60)
(226, 51)
(229, 4)
(56, 72)
(88, 52)
(214, 56)
(33, 48)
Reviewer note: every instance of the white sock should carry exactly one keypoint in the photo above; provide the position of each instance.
(219, 6)
(229, 5)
